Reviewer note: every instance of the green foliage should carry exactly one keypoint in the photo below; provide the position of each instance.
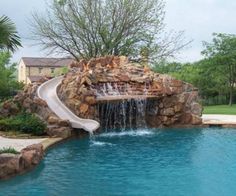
(25, 123)
(8, 150)
(9, 38)
(9, 41)
(215, 75)
(212, 86)
(61, 71)
(221, 55)
(187, 72)
(8, 83)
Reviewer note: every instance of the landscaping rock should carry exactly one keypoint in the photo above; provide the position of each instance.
(9, 165)
(178, 102)
(196, 109)
(32, 155)
(29, 101)
(83, 108)
(52, 119)
(58, 131)
(196, 120)
(168, 112)
(90, 100)
(29, 157)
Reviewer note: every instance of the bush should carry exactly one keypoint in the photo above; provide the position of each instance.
(8, 150)
(25, 123)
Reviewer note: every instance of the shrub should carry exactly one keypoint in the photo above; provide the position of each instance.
(8, 150)
(25, 123)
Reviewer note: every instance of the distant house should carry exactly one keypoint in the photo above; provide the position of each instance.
(33, 69)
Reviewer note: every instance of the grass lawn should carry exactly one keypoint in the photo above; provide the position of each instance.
(220, 109)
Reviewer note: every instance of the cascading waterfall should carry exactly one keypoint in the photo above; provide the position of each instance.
(140, 105)
(109, 89)
(121, 113)
(126, 114)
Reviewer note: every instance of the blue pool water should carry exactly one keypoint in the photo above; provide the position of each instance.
(144, 162)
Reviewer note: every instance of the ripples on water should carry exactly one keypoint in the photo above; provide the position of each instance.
(136, 162)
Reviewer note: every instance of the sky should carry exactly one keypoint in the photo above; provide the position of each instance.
(197, 18)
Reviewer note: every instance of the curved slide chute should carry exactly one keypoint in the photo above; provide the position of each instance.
(48, 92)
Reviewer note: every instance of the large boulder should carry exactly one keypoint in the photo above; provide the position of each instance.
(29, 157)
(32, 155)
(9, 165)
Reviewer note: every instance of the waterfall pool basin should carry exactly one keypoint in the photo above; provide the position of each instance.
(199, 161)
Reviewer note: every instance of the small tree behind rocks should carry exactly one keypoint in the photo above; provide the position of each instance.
(93, 28)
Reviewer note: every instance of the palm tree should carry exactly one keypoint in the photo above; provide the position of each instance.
(9, 39)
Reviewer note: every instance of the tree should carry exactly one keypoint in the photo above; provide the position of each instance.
(9, 38)
(93, 28)
(9, 42)
(222, 55)
(8, 83)
(211, 83)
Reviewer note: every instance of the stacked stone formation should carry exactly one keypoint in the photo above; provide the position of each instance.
(178, 102)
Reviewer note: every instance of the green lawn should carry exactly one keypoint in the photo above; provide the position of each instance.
(220, 109)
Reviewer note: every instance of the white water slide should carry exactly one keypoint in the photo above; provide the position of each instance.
(48, 92)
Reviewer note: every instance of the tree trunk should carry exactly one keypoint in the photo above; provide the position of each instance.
(231, 95)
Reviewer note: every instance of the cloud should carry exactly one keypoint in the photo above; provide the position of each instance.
(199, 19)
(20, 12)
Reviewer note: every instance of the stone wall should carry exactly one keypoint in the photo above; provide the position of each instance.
(11, 164)
(88, 82)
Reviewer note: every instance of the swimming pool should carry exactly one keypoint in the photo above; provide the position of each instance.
(166, 162)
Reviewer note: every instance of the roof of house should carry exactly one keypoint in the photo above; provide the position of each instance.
(46, 62)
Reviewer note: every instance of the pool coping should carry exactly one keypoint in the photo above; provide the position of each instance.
(221, 120)
(49, 142)
(27, 159)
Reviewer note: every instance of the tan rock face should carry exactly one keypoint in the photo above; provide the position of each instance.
(91, 100)
(52, 119)
(32, 155)
(196, 120)
(9, 108)
(59, 131)
(168, 112)
(114, 77)
(11, 165)
(196, 109)
(63, 123)
(83, 108)
(178, 107)
(40, 102)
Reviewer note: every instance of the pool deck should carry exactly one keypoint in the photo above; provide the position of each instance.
(219, 120)
(19, 144)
